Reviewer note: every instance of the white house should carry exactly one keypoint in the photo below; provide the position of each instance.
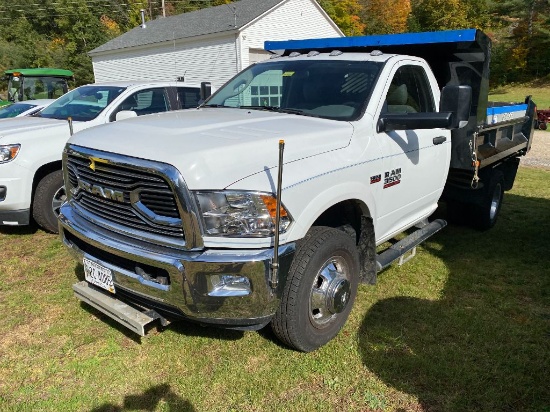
(210, 44)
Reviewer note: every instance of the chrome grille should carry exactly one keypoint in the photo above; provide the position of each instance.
(151, 190)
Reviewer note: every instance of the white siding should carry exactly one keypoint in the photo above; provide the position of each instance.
(293, 20)
(257, 55)
(207, 60)
(215, 59)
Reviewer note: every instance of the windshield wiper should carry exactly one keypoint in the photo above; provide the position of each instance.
(293, 111)
(278, 109)
(215, 105)
(269, 108)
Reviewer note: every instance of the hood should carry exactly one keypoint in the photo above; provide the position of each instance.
(15, 129)
(213, 148)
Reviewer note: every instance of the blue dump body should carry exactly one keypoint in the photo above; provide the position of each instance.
(401, 39)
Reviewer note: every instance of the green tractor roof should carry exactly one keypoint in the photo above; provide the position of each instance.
(41, 72)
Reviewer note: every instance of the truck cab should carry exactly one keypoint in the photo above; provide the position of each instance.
(33, 84)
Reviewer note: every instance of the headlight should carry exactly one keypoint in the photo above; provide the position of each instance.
(9, 152)
(240, 214)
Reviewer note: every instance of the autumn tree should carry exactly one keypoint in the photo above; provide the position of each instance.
(346, 14)
(523, 39)
(386, 16)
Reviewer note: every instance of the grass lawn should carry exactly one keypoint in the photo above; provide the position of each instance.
(540, 90)
(465, 326)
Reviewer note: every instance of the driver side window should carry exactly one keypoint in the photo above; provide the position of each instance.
(409, 92)
(144, 102)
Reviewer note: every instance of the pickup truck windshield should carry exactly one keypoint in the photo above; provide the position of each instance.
(82, 104)
(15, 110)
(330, 89)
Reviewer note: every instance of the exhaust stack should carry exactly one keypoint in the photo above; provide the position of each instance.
(143, 25)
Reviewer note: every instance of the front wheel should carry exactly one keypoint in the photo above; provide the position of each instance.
(319, 291)
(48, 198)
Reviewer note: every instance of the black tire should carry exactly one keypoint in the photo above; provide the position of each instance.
(485, 213)
(48, 197)
(543, 126)
(319, 291)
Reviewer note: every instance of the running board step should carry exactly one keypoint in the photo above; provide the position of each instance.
(124, 314)
(399, 249)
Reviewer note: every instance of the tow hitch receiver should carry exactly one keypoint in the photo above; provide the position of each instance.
(124, 314)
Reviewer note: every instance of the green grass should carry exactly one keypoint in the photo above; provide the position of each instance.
(539, 90)
(464, 326)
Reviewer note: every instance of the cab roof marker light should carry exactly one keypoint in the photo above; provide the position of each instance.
(376, 53)
(313, 53)
(294, 54)
(336, 53)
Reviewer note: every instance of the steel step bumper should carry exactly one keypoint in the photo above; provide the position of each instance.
(134, 319)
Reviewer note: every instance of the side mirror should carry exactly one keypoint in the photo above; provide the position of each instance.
(389, 122)
(206, 90)
(125, 114)
(458, 101)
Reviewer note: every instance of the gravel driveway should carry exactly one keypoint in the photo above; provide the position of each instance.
(539, 155)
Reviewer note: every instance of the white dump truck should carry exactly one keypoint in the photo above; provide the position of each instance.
(266, 204)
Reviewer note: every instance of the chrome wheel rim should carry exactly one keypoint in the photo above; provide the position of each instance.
(330, 292)
(58, 199)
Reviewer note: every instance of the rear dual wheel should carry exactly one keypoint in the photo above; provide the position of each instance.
(482, 212)
(320, 289)
(485, 213)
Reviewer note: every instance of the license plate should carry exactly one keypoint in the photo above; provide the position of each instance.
(98, 275)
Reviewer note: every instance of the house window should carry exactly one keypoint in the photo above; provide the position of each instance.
(265, 95)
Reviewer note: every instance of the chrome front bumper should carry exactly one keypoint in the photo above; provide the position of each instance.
(185, 286)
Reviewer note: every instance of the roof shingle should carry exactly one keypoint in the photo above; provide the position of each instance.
(197, 23)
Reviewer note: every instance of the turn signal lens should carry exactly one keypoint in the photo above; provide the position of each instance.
(271, 205)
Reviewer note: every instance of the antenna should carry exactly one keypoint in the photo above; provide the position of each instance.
(234, 10)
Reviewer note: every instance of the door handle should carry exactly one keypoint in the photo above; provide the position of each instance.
(439, 140)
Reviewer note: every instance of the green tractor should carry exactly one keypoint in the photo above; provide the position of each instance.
(32, 84)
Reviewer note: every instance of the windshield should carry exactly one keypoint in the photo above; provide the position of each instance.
(31, 88)
(320, 88)
(82, 104)
(14, 110)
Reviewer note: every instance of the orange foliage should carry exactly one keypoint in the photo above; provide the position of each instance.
(391, 15)
(110, 25)
(345, 14)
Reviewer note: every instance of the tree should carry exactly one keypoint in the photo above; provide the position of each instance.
(386, 16)
(523, 39)
(433, 15)
(346, 15)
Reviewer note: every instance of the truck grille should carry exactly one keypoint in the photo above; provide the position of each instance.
(125, 196)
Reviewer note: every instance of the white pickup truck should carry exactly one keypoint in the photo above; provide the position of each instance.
(190, 215)
(31, 180)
